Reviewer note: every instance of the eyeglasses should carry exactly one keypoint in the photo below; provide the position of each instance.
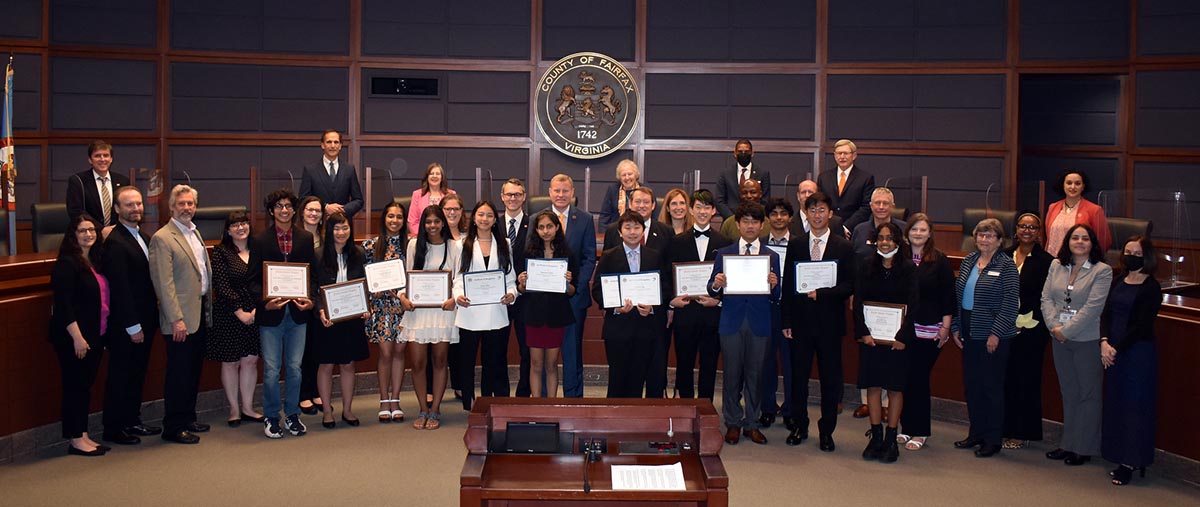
(87, 230)
(513, 196)
(284, 205)
(986, 235)
(1028, 227)
(818, 210)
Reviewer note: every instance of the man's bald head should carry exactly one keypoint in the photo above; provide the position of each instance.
(751, 191)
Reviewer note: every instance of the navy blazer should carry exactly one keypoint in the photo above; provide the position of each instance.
(735, 309)
(133, 301)
(82, 196)
(729, 193)
(581, 239)
(659, 238)
(854, 204)
(997, 297)
(608, 208)
(344, 189)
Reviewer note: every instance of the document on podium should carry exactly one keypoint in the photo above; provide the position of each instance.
(647, 477)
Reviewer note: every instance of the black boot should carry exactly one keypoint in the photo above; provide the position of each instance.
(875, 447)
(891, 450)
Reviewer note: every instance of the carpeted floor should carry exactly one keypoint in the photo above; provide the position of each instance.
(394, 464)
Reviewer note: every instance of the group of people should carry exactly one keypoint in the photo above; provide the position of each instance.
(113, 285)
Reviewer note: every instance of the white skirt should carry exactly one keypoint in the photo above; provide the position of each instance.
(429, 325)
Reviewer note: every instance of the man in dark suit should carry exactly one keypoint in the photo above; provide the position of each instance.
(92, 191)
(799, 224)
(631, 331)
(745, 328)
(729, 183)
(848, 187)
(580, 233)
(133, 313)
(695, 318)
(815, 321)
(778, 358)
(282, 321)
(516, 225)
(336, 184)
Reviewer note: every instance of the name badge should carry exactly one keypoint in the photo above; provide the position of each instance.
(1066, 315)
(993, 273)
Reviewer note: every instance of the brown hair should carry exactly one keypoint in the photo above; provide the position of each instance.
(664, 215)
(444, 187)
(929, 252)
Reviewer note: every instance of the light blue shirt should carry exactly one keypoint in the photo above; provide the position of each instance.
(968, 302)
(634, 257)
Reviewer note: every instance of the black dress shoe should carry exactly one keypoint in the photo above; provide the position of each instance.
(827, 442)
(968, 443)
(122, 438)
(797, 436)
(311, 409)
(181, 437)
(75, 451)
(351, 422)
(233, 423)
(988, 450)
(329, 424)
(791, 423)
(1058, 454)
(198, 427)
(766, 420)
(1075, 460)
(249, 418)
(143, 430)
(104, 448)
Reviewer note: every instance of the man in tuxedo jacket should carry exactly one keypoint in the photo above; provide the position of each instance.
(580, 233)
(729, 183)
(815, 321)
(848, 187)
(799, 224)
(695, 318)
(93, 191)
(133, 314)
(336, 184)
(182, 276)
(631, 331)
(745, 329)
(515, 223)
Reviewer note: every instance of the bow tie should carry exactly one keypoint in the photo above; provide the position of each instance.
(698, 233)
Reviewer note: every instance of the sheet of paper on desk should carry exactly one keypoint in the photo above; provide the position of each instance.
(646, 477)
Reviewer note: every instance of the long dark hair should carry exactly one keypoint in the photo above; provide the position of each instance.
(874, 263)
(423, 237)
(498, 238)
(69, 248)
(329, 250)
(380, 250)
(235, 217)
(1095, 256)
(300, 213)
(536, 246)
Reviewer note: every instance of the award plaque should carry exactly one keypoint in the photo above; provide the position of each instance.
(287, 280)
(346, 300)
(386, 275)
(428, 289)
(883, 319)
(691, 278)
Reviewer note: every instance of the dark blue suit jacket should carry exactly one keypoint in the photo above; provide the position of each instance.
(734, 309)
(343, 189)
(581, 239)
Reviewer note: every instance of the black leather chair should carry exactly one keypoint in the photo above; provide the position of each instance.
(405, 201)
(900, 213)
(50, 221)
(537, 203)
(1120, 229)
(972, 216)
(210, 220)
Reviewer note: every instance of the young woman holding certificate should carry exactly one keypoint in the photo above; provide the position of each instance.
(383, 326)
(345, 342)
(889, 278)
(547, 314)
(485, 285)
(430, 329)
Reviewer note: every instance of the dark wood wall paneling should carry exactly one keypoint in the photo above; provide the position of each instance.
(722, 31)
(258, 98)
(605, 26)
(917, 31)
(467, 103)
(407, 165)
(450, 29)
(267, 26)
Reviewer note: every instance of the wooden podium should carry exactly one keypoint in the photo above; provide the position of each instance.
(514, 480)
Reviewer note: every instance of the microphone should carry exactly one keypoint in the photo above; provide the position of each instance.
(670, 427)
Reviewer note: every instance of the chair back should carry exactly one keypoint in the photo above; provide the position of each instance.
(1121, 229)
(972, 216)
(50, 221)
(210, 220)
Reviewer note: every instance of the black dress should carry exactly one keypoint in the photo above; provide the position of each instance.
(345, 341)
(1130, 391)
(230, 339)
(547, 309)
(881, 366)
(1023, 378)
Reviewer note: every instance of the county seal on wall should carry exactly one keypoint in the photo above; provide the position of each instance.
(587, 105)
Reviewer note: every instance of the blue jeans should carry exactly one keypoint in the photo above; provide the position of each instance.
(282, 346)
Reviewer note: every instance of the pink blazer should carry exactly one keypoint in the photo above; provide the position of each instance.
(1088, 213)
(419, 203)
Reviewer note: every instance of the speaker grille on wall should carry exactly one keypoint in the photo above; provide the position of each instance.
(404, 86)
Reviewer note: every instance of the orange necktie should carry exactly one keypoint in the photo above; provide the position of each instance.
(841, 182)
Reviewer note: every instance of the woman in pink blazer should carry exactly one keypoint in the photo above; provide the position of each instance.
(433, 188)
(1074, 209)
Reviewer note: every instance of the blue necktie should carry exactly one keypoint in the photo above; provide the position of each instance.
(512, 231)
(634, 265)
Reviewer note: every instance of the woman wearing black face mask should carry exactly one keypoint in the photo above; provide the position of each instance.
(1128, 353)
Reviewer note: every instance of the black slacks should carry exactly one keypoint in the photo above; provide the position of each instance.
(922, 355)
(492, 346)
(518, 325)
(828, 352)
(696, 336)
(1023, 385)
(185, 361)
(309, 365)
(127, 363)
(78, 375)
(656, 380)
(983, 374)
(629, 360)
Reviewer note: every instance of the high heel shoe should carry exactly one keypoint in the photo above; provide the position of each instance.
(1057, 454)
(1075, 460)
(385, 415)
(969, 442)
(1123, 474)
(351, 422)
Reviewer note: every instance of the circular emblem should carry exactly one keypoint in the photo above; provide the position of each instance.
(803, 285)
(274, 288)
(416, 297)
(684, 288)
(337, 311)
(587, 105)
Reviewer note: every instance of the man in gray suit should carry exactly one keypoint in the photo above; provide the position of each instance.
(335, 183)
(182, 275)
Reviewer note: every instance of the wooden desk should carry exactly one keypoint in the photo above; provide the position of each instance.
(513, 480)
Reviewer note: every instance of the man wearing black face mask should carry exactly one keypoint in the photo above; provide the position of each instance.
(730, 183)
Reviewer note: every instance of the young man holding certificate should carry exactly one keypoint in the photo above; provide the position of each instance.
(746, 277)
(633, 319)
(813, 314)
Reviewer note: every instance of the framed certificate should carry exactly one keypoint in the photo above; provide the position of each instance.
(484, 287)
(428, 289)
(386, 275)
(285, 280)
(346, 300)
(691, 278)
(546, 275)
(610, 291)
(746, 275)
(642, 288)
(813, 275)
(779, 250)
(883, 319)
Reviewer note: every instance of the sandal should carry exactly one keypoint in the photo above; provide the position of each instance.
(385, 415)
(915, 443)
(398, 414)
(1012, 443)
(433, 421)
(902, 438)
(419, 424)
